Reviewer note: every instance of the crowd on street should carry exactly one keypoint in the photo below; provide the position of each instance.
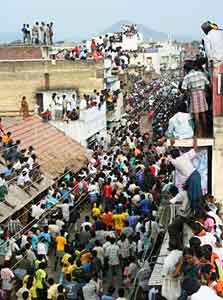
(71, 252)
(65, 255)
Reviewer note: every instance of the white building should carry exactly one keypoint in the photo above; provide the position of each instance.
(166, 56)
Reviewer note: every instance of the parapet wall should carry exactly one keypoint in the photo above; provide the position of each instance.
(25, 78)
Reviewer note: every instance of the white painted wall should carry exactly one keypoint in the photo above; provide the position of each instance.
(91, 121)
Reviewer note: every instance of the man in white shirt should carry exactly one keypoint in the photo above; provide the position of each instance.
(66, 210)
(196, 291)
(37, 211)
(181, 124)
(86, 223)
(112, 253)
(59, 108)
(90, 290)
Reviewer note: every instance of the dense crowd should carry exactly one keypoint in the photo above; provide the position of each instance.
(101, 48)
(63, 256)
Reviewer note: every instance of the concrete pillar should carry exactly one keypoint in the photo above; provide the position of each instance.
(217, 160)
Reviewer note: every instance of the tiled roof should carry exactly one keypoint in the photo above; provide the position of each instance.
(14, 53)
(54, 150)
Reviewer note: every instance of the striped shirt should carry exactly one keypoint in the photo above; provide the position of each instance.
(195, 80)
(14, 226)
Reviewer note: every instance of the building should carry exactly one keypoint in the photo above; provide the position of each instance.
(157, 57)
(25, 71)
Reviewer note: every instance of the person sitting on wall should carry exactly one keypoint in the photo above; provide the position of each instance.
(181, 124)
(47, 115)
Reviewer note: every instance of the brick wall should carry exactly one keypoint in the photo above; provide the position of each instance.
(18, 78)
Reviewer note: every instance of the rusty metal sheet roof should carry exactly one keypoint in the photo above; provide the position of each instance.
(54, 149)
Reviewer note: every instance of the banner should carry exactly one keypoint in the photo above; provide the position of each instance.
(201, 165)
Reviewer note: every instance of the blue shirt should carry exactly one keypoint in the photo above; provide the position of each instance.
(72, 289)
(132, 220)
(106, 297)
(46, 236)
(35, 240)
(144, 205)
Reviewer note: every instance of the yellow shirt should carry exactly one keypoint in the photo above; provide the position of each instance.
(61, 242)
(5, 139)
(118, 220)
(85, 257)
(96, 212)
(70, 268)
(65, 260)
(33, 288)
(52, 292)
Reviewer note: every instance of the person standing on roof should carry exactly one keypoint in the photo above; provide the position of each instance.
(195, 83)
(24, 108)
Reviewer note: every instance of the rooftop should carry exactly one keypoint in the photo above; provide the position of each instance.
(20, 53)
(54, 150)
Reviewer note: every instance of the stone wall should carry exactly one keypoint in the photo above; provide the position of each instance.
(18, 78)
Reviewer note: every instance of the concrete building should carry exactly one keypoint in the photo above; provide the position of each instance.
(24, 72)
(157, 57)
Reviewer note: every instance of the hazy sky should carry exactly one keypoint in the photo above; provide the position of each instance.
(80, 17)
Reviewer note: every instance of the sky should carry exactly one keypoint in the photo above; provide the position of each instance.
(87, 17)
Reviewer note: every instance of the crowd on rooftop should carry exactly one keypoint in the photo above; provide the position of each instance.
(18, 166)
(69, 107)
(38, 34)
(104, 47)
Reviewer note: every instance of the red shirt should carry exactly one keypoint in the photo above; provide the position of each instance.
(152, 170)
(107, 191)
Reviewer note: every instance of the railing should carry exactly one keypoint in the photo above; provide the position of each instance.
(154, 257)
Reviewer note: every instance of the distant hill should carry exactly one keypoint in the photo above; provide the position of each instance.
(147, 32)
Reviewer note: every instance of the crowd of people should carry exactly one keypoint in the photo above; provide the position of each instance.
(63, 256)
(98, 49)
(38, 34)
(69, 107)
(18, 166)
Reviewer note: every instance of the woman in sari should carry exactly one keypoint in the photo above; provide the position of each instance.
(24, 108)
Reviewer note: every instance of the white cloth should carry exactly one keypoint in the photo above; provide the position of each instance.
(180, 126)
(205, 293)
(89, 291)
(66, 211)
(182, 198)
(184, 163)
(41, 249)
(37, 211)
(171, 287)
(214, 45)
(207, 239)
